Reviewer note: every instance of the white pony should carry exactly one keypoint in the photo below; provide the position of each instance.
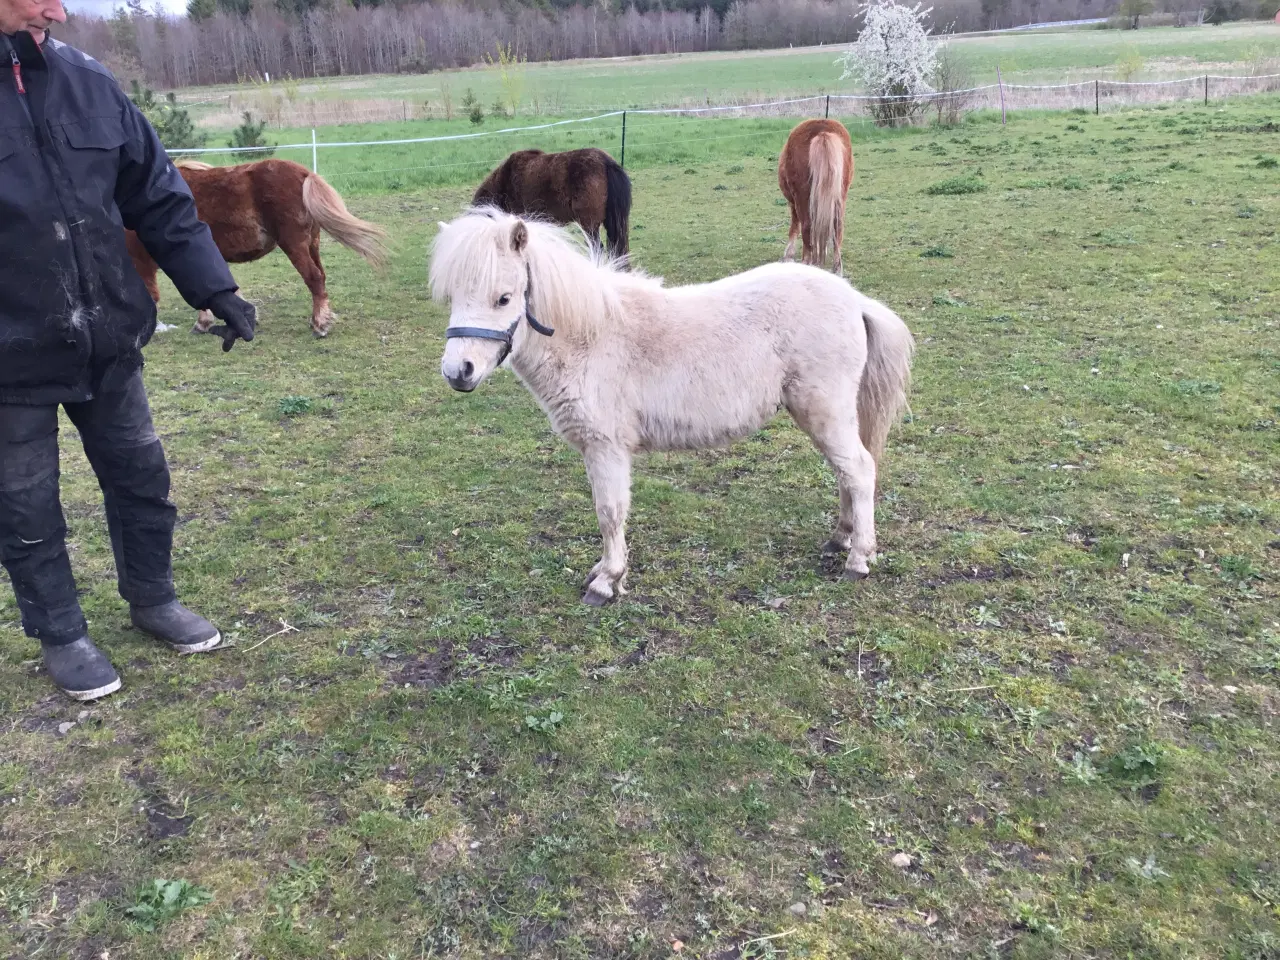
(625, 365)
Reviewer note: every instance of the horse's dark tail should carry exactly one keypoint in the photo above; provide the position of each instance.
(617, 209)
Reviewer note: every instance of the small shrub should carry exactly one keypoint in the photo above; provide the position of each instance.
(1073, 183)
(475, 112)
(249, 137)
(172, 124)
(939, 251)
(736, 168)
(1268, 163)
(954, 186)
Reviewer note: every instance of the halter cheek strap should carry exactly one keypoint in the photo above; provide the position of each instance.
(506, 336)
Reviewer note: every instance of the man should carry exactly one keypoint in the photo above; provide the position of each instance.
(79, 164)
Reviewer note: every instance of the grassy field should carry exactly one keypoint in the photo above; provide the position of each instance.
(1045, 727)
(593, 85)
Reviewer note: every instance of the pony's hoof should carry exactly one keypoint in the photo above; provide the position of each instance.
(833, 547)
(852, 574)
(593, 598)
(319, 334)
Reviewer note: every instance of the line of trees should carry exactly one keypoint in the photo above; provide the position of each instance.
(228, 41)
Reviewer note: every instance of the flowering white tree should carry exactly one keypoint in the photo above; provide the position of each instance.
(894, 57)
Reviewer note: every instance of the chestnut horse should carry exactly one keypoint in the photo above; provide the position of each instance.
(814, 172)
(252, 208)
(586, 187)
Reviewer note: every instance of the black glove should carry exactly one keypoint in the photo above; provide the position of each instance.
(239, 317)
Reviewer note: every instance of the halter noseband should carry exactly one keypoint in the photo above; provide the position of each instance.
(505, 336)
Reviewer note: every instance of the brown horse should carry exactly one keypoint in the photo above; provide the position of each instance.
(252, 208)
(814, 172)
(586, 187)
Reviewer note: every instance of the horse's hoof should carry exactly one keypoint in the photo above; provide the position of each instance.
(833, 547)
(319, 334)
(851, 574)
(594, 599)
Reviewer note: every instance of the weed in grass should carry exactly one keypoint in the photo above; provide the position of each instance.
(955, 186)
(939, 251)
(295, 406)
(161, 901)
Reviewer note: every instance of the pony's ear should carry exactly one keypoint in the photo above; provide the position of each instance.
(519, 236)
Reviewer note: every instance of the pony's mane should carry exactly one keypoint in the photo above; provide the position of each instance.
(574, 288)
(192, 164)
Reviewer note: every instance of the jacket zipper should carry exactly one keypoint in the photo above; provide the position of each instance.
(41, 141)
(22, 89)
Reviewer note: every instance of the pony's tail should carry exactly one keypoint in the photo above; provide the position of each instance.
(882, 395)
(826, 199)
(617, 209)
(326, 207)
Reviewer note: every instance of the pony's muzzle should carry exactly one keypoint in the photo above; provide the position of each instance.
(466, 363)
(464, 380)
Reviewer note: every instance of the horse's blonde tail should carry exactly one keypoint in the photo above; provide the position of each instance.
(328, 210)
(826, 198)
(882, 395)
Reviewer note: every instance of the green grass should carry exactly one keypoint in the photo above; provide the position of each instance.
(1045, 727)
(591, 86)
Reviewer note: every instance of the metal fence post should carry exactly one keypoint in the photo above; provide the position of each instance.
(1206, 89)
(1096, 108)
(1004, 118)
(623, 163)
(315, 162)
(826, 114)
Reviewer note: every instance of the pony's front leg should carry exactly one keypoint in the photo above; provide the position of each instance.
(203, 322)
(609, 470)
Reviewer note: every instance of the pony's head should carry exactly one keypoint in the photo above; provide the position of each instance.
(479, 264)
(496, 269)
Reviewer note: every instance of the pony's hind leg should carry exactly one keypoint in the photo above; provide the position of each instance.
(790, 253)
(304, 254)
(609, 470)
(833, 426)
(204, 322)
(837, 266)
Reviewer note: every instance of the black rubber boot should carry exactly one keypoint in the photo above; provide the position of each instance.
(177, 626)
(81, 670)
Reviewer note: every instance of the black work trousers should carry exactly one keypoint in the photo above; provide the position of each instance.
(125, 453)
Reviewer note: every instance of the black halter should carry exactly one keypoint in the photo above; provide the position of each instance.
(507, 335)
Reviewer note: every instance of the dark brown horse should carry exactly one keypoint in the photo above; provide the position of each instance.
(814, 172)
(252, 208)
(585, 186)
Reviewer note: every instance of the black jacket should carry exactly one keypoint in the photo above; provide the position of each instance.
(78, 164)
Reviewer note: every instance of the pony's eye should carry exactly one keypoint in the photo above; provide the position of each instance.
(504, 299)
